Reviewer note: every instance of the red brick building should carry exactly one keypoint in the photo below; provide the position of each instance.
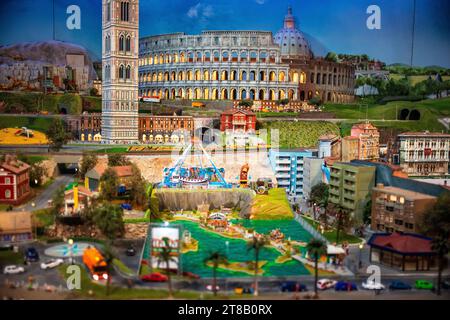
(14, 181)
(238, 120)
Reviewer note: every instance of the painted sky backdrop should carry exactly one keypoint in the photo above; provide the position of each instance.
(330, 25)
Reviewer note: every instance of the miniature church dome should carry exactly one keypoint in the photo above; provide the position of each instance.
(291, 40)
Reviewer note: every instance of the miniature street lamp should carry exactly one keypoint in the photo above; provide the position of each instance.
(314, 211)
(361, 246)
(70, 242)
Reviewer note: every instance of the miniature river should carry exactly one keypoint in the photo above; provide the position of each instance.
(236, 250)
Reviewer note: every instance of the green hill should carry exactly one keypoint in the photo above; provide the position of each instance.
(296, 134)
(430, 112)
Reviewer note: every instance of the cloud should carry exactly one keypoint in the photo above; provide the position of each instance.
(260, 1)
(200, 11)
(193, 11)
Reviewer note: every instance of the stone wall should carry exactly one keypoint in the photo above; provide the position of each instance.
(178, 199)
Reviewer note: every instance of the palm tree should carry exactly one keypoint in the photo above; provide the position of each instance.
(256, 244)
(440, 246)
(108, 256)
(316, 248)
(165, 257)
(216, 258)
(342, 216)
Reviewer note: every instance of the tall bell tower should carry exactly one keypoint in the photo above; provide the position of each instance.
(120, 54)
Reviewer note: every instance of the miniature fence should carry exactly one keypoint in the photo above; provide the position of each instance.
(308, 227)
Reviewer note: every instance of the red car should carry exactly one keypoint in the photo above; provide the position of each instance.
(191, 275)
(154, 277)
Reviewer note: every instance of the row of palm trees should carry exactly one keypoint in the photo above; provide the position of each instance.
(316, 248)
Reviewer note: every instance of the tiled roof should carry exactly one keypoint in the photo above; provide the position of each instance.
(14, 165)
(100, 168)
(81, 190)
(402, 243)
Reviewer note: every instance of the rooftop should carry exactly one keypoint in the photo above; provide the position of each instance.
(100, 168)
(404, 243)
(11, 163)
(408, 194)
(424, 134)
(15, 221)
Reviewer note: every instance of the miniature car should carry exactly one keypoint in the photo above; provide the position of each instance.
(399, 285)
(154, 277)
(292, 286)
(372, 285)
(424, 284)
(191, 275)
(324, 284)
(126, 206)
(13, 269)
(6, 247)
(130, 251)
(209, 287)
(345, 286)
(52, 263)
(31, 255)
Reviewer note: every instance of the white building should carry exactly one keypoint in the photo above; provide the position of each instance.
(120, 20)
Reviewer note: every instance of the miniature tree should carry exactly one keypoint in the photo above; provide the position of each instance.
(316, 248)
(165, 257)
(216, 258)
(256, 244)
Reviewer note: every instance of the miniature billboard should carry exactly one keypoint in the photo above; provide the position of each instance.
(158, 243)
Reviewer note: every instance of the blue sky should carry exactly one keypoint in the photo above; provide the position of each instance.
(334, 25)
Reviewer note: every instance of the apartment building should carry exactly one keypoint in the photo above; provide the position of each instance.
(312, 175)
(398, 210)
(288, 166)
(350, 186)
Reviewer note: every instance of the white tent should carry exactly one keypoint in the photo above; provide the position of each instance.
(333, 250)
(366, 90)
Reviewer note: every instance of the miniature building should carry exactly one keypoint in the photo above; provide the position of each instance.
(120, 34)
(152, 129)
(398, 210)
(329, 146)
(424, 153)
(350, 148)
(14, 181)
(288, 166)
(92, 177)
(15, 226)
(350, 186)
(369, 140)
(238, 121)
(165, 129)
(75, 199)
(238, 65)
(407, 252)
(312, 174)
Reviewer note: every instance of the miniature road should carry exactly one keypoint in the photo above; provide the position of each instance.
(41, 201)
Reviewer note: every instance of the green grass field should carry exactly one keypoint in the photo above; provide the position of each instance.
(274, 206)
(331, 234)
(39, 124)
(430, 110)
(414, 79)
(10, 257)
(296, 134)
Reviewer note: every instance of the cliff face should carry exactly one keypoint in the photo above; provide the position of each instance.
(176, 199)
